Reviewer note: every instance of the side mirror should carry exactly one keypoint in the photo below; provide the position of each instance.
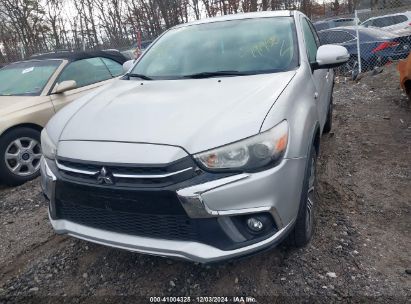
(128, 65)
(331, 56)
(65, 86)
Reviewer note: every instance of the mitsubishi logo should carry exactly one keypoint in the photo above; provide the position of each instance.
(105, 177)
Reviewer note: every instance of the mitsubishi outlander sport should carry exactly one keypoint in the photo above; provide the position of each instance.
(206, 149)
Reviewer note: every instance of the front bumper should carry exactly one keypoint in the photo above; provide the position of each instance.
(192, 251)
(276, 191)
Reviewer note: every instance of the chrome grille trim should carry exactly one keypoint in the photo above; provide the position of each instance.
(151, 175)
(74, 170)
(119, 175)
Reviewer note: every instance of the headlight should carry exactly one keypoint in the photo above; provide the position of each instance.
(47, 146)
(253, 153)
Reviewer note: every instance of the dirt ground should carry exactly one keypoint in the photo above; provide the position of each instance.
(361, 251)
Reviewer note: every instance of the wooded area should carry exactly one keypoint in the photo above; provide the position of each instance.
(34, 26)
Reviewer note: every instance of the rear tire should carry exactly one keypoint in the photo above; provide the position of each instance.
(20, 153)
(305, 223)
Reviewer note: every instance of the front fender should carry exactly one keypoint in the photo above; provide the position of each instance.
(36, 115)
(299, 107)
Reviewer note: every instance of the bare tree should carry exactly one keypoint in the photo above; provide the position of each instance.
(55, 21)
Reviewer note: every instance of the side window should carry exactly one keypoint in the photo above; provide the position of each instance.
(115, 68)
(400, 19)
(378, 22)
(311, 41)
(85, 72)
(385, 21)
(390, 21)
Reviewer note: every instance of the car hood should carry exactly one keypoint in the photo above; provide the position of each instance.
(195, 114)
(11, 104)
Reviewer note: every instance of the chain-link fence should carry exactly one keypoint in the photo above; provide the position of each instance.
(374, 36)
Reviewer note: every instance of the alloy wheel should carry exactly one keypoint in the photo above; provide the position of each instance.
(23, 156)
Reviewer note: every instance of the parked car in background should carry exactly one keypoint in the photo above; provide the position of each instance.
(332, 23)
(206, 150)
(377, 46)
(393, 22)
(32, 91)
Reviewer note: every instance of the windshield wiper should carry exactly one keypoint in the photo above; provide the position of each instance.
(216, 73)
(138, 76)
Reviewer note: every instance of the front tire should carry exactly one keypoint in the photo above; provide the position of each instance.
(20, 153)
(305, 223)
(329, 122)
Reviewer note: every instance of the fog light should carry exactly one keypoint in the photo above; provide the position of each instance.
(255, 224)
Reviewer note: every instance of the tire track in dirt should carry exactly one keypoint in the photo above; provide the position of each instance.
(22, 259)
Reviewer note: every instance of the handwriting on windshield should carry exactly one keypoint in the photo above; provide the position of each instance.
(259, 49)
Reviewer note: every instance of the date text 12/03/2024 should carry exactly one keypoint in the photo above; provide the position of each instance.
(205, 299)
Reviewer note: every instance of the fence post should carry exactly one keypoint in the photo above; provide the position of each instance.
(358, 42)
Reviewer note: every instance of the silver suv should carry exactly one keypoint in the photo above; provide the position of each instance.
(206, 150)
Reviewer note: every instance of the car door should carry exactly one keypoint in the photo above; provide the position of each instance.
(322, 78)
(89, 74)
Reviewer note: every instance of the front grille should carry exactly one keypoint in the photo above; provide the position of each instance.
(128, 175)
(144, 213)
(132, 201)
(175, 227)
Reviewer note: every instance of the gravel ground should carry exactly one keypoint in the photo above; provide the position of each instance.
(360, 252)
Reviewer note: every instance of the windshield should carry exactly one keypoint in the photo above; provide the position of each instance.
(26, 78)
(247, 46)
